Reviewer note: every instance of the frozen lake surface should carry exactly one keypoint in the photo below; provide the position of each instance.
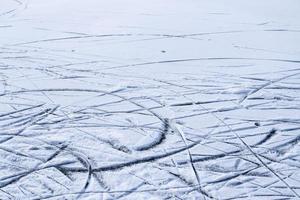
(161, 99)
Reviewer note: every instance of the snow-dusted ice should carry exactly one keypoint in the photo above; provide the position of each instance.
(160, 99)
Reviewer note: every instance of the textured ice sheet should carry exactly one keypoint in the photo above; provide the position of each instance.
(130, 99)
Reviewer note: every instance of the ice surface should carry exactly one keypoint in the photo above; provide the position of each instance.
(161, 99)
